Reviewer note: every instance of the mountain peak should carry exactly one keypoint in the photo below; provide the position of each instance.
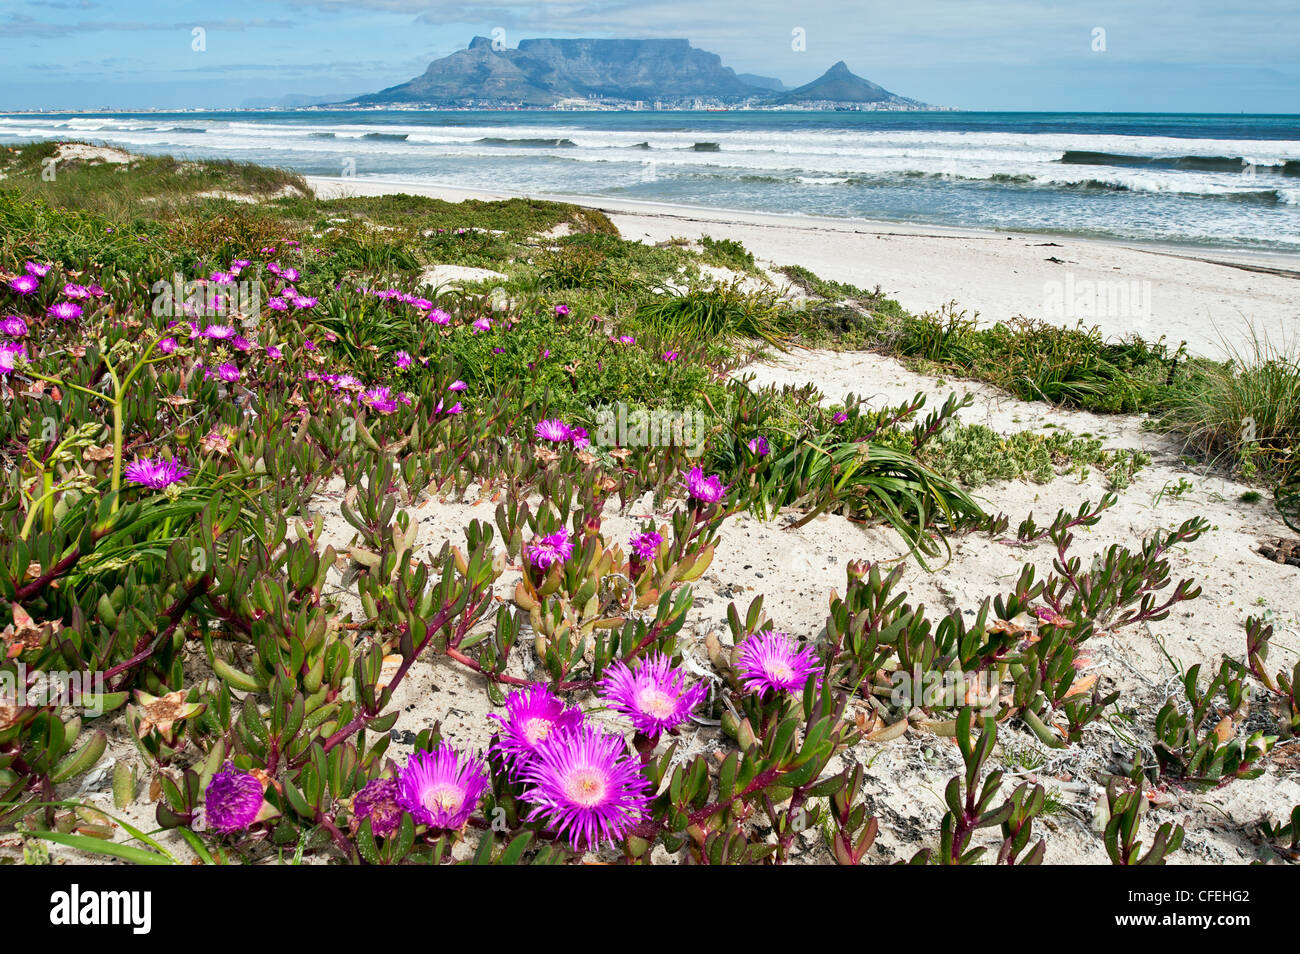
(839, 84)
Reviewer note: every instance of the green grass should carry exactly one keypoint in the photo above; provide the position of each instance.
(976, 455)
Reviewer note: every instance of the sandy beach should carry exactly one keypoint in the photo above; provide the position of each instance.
(1209, 298)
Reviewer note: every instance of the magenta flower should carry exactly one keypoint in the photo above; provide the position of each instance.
(24, 284)
(481, 324)
(705, 489)
(402, 360)
(533, 714)
(442, 788)
(222, 278)
(772, 660)
(552, 429)
(155, 472)
(671, 355)
(645, 546)
(167, 345)
(276, 303)
(456, 408)
(626, 339)
(228, 372)
(759, 446)
(554, 548)
(37, 269)
(64, 311)
(273, 352)
(561, 311)
(585, 785)
(78, 292)
(379, 400)
(457, 385)
(11, 352)
(233, 799)
(290, 274)
(841, 417)
(440, 317)
(219, 332)
(304, 302)
(12, 326)
(378, 802)
(579, 437)
(654, 695)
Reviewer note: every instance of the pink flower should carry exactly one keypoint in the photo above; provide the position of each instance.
(705, 489)
(64, 311)
(550, 549)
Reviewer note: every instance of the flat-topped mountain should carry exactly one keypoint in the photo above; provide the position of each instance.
(547, 72)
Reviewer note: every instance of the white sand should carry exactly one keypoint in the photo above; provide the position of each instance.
(1201, 296)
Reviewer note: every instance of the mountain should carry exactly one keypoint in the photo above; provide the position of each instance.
(543, 72)
(762, 82)
(839, 85)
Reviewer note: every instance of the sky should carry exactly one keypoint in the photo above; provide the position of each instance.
(1110, 55)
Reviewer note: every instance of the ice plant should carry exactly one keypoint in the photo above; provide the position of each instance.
(533, 714)
(671, 355)
(64, 311)
(378, 802)
(12, 326)
(442, 788)
(155, 472)
(645, 546)
(654, 695)
(402, 360)
(481, 324)
(37, 269)
(11, 352)
(561, 311)
(233, 800)
(440, 317)
(24, 284)
(552, 429)
(552, 548)
(705, 489)
(759, 446)
(772, 660)
(586, 787)
(457, 386)
(380, 400)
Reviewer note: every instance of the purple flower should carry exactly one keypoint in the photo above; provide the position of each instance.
(585, 785)
(759, 446)
(705, 489)
(167, 345)
(671, 355)
(481, 324)
(155, 472)
(841, 417)
(579, 437)
(222, 278)
(457, 386)
(304, 302)
(36, 269)
(654, 695)
(13, 327)
(273, 352)
(402, 360)
(219, 332)
(380, 400)
(442, 788)
(772, 660)
(64, 311)
(276, 303)
(233, 799)
(228, 372)
(440, 317)
(552, 429)
(24, 284)
(72, 290)
(555, 548)
(533, 714)
(11, 352)
(625, 339)
(645, 546)
(378, 802)
(561, 311)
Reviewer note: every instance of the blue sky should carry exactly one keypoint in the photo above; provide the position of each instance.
(1174, 55)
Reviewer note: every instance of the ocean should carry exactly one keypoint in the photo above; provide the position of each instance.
(1230, 181)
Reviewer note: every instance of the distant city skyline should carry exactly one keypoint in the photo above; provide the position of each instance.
(1151, 55)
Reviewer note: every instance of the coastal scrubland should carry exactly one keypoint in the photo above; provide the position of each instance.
(389, 529)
